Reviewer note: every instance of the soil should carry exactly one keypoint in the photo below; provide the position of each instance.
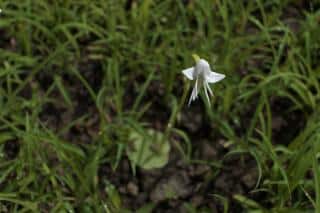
(195, 184)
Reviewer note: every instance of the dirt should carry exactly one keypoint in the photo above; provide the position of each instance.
(179, 183)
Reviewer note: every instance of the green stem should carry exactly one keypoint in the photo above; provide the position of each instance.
(176, 110)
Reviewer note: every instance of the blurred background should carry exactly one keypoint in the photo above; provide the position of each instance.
(93, 117)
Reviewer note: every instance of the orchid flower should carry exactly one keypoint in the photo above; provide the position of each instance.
(202, 75)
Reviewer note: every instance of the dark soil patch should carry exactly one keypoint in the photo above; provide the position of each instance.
(179, 183)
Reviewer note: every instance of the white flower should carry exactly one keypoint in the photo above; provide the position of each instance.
(203, 75)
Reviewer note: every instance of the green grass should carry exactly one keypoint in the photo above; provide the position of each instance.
(51, 49)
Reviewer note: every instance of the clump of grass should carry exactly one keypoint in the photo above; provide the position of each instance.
(98, 68)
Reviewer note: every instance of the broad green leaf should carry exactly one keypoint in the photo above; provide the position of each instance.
(148, 151)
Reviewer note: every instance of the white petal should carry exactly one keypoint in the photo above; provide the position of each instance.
(191, 96)
(206, 86)
(212, 77)
(203, 64)
(189, 73)
(194, 93)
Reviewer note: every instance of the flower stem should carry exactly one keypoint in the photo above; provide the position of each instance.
(177, 109)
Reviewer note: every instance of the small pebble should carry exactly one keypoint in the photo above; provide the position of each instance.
(132, 189)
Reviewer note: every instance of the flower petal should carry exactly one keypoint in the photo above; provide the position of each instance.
(189, 73)
(194, 93)
(212, 77)
(206, 87)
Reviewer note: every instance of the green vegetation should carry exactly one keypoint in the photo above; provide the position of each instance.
(80, 78)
